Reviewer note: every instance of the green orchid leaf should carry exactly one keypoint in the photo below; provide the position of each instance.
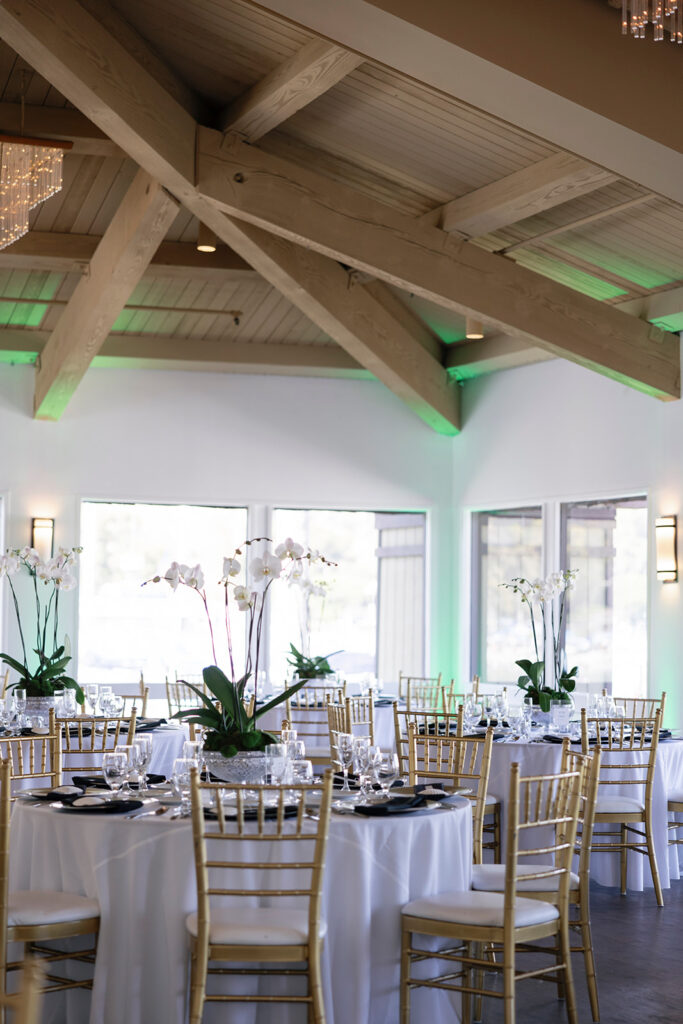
(200, 693)
(544, 700)
(219, 684)
(525, 665)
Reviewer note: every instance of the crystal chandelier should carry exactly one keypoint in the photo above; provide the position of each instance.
(662, 14)
(30, 172)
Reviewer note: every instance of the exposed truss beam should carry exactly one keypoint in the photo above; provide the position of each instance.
(128, 244)
(337, 221)
(62, 251)
(662, 304)
(316, 67)
(98, 74)
(163, 352)
(58, 123)
(475, 358)
(550, 182)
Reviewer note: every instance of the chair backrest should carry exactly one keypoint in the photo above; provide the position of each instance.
(404, 681)
(34, 757)
(137, 701)
(637, 738)
(542, 815)
(572, 760)
(360, 715)
(90, 738)
(336, 723)
(456, 761)
(307, 713)
(180, 697)
(452, 700)
(640, 707)
(427, 696)
(5, 682)
(224, 817)
(427, 723)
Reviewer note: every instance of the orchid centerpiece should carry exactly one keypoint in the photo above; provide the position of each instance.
(42, 669)
(223, 711)
(546, 601)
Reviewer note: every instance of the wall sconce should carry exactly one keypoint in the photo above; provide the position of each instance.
(42, 537)
(666, 530)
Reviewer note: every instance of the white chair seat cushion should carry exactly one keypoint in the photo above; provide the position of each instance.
(37, 907)
(618, 805)
(256, 926)
(491, 800)
(485, 909)
(491, 878)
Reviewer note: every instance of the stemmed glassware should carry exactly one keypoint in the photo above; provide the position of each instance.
(386, 770)
(182, 769)
(501, 701)
(345, 748)
(91, 697)
(115, 767)
(20, 704)
(490, 706)
(142, 755)
(127, 752)
(472, 712)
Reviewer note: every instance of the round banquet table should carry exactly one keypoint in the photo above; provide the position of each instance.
(542, 758)
(142, 874)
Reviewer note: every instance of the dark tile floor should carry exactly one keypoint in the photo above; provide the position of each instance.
(639, 953)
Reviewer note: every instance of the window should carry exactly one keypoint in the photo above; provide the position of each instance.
(507, 543)
(606, 628)
(373, 609)
(125, 628)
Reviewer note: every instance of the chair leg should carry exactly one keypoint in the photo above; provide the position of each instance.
(653, 863)
(198, 968)
(404, 1010)
(623, 858)
(589, 964)
(509, 980)
(496, 834)
(561, 992)
(467, 981)
(570, 996)
(316, 985)
(479, 982)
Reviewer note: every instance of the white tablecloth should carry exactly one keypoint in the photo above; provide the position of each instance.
(142, 874)
(542, 758)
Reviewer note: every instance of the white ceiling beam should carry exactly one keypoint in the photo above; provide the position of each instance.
(99, 76)
(337, 221)
(543, 185)
(128, 244)
(525, 72)
(309, 73)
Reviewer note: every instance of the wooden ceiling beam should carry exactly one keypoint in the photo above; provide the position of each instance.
(466, 360)
(100, 76)
(339, 222)
(128, 244)
(58, 123)
(309, 73)
(548, 183)
(167, 352)
(62, 251)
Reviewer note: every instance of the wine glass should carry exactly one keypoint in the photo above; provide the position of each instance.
(20, 704)
(182, 769)
(345, 748)
(277, 763)
(115, 769)
(363, 753)
(472, 712)
(301, 772)
(501, 703)
(142, 755)
(126, 751)
(489, 702)
(69, 703)
(387, 771)
(91, 695)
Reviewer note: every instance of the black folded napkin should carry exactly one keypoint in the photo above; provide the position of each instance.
(551, 738)
(98, 781)
(251, 813)
(148, 724)
(437, 729)
(385, 702)
(397, 805)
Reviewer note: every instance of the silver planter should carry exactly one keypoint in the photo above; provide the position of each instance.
(246, 766)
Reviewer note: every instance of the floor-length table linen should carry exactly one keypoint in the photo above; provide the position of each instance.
(542, 758)
(142, 874)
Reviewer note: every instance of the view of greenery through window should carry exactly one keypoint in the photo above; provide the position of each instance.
(125, 628)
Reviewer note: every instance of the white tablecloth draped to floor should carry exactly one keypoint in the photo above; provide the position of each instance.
(541, 758)
(142, 874)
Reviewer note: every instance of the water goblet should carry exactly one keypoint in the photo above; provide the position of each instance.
(115, 769)
(69, 703)
(123, 748)
(301, 772)
(20, 702)
(91, 696)
(277, 763)
(501, 703)
(59, 703)
(191, 749)
(345, 749)
(472, 712)
(489, 702)
(142, 755)
(182, 774)
(387, 771)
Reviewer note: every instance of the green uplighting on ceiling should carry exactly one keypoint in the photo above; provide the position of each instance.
(673, 322)
(17, 358)
(579, 280)
(621, 266)
(25, 312)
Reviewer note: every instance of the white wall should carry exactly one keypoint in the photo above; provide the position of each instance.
(557, 431)
(215, 438)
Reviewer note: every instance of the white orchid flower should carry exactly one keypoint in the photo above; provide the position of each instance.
(231, 567)
(244, 598)
(194, 577)
(30, 556)
(44, 572)
(289, 549)
(9, 565)
(265, 569)
(66, 581)
(172, 575)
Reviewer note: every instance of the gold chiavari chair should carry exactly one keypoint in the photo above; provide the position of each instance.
(306, 712)
(336, 723)
(505, 919)
(87, 739)
(137, 701)
(452, 700)
(455, 761)
(491, 877)
(629, 748)
(34, 758)
(427, 696)
(404, 681)
(35, 916)
(675, 806)
(5, 682)
(640, 707)
(360, 715)
(427, 723)
(24, 1006)
(180, 696)
(235, 933)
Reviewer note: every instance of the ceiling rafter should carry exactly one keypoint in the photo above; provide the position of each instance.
(128, 244)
